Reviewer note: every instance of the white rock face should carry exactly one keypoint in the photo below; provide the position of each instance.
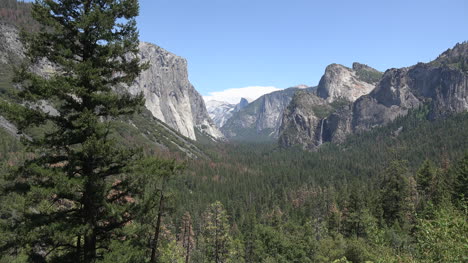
(340, 82)
(10, 45)
(221, 111)
(169, 95)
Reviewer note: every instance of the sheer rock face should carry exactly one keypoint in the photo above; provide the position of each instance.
(442, 84)
(445, 88)
(340, 82)
(261, 119)
(302, 122)
(169, 95)
(305, 121)
(242, 104)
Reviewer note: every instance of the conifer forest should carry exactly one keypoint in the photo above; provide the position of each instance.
(88, 175)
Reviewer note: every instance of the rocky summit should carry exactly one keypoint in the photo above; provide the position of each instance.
(440, 85)
(343, 83)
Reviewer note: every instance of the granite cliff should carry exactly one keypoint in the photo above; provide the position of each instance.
(300, 119)
(263, 119)
(343, 83)
(441, 85)
(168, 93)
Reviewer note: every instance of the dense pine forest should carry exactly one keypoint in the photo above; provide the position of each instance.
(81, 186)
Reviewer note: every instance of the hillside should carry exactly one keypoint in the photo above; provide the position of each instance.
(275, 196)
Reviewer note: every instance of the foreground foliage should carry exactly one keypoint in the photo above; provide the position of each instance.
(72, 194)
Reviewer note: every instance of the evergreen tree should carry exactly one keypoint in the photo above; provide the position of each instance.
(353, 225)
(216, 238)
(154, 176)
(187, 236)
(425, 178)
(461, 180)
(76, 189)
(395, 193)
(443, 238)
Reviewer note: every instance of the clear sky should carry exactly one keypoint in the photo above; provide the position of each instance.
(281, 43)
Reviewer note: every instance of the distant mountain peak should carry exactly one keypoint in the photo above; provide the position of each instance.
(242, 104)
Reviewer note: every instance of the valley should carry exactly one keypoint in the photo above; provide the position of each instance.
(124, 161)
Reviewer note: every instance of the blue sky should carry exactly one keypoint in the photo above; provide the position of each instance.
(239, 43)
(275, 44)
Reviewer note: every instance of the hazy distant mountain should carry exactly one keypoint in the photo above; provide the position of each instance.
(221, 111)
(259, 120)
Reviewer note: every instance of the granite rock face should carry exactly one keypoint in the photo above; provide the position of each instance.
(220, 111)
(304, 122)
(169, 95)
(340, 82)
(261, 119)
(11, 47)
(242, 104)
(442, 85)
(301, 119)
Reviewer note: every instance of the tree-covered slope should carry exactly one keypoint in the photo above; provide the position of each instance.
(334, 198)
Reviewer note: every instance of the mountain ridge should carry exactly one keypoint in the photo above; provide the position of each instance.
(442, 84)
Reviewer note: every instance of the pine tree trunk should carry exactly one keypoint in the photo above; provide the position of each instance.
(187, 237)
(78, 249)
(154, 255)
(90, 214)
(90, 248)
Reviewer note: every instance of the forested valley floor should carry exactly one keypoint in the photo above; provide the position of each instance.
(394, 194)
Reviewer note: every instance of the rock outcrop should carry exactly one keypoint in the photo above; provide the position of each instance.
(442, 85)
(11, 48)
(169, 95)
(343, 83)
(242, 104)
(300, 119)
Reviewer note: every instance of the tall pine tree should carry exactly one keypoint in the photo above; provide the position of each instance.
(77, 194)
(216, 238)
